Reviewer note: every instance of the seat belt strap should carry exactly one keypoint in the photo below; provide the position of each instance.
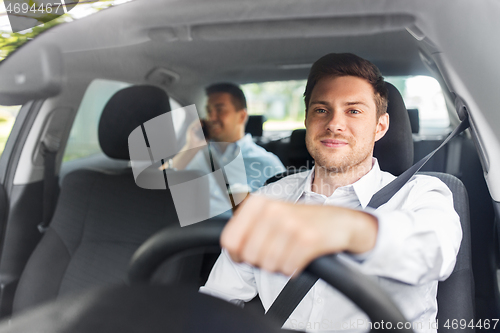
(214, 164)
(290, 296)
(49, 186)
(297, 288)
(388, 191)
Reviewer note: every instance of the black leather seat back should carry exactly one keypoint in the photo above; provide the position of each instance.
(414, 120)
(298, 155)
(100, 220)
(395, 150)
(255, 125)
(456, 295)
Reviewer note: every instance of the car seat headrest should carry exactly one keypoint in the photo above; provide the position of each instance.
(255, 125)
(414, 120)
(395, 150)
(125, 111)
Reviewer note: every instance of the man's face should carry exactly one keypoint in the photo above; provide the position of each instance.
(225, 123)
(342, 124)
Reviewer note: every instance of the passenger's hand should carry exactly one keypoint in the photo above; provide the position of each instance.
(194, 139)
(285, 237)
(194, 136)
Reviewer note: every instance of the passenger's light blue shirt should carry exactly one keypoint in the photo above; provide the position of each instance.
(259, 164)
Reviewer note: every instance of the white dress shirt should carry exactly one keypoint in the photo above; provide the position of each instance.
(418, 239)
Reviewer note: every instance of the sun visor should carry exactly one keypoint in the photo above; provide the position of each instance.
(26, 76)
(302, 28)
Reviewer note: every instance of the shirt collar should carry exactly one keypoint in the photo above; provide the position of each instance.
(308, 181)
(231, 148)
(364, 188)
(245, 140)
(369, 184)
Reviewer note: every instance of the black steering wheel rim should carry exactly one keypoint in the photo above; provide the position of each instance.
(360, 289)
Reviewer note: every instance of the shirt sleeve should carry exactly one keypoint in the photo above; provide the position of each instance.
(233, 282)
(419, 242)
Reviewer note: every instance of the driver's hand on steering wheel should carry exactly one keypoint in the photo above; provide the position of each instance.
(284, 237)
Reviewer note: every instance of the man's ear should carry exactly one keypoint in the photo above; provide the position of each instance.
(305, 119)
(382, 126)
(243, 116)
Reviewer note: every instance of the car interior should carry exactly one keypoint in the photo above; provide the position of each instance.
(75, 224)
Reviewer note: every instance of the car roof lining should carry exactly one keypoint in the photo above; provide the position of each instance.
(227, 43)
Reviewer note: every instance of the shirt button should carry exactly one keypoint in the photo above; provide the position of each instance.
(319, 300)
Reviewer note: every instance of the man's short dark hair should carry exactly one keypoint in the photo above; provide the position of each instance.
(348, 64)
(237, 95)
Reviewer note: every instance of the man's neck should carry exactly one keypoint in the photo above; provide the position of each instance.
(326, 182)
(222, 145)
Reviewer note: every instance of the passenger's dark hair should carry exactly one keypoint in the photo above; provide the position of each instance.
(348, 64)
(237, 95)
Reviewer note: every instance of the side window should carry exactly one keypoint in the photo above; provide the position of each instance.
(8, 115)
(423, 93)
(83, 140)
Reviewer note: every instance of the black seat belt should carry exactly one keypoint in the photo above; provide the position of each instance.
(49, 185)
(297, 288)
(213, 163)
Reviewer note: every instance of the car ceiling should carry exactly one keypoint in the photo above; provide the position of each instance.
(211, 41)
(203, 41)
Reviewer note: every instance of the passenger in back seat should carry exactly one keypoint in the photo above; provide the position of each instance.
(409, 244)
(225, 123)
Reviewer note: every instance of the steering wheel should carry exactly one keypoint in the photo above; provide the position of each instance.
(362, 291)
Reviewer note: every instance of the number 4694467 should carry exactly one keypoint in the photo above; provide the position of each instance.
(463, 324)
(25, 8)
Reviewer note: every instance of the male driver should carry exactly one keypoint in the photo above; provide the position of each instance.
(409, 243)
(226, 119)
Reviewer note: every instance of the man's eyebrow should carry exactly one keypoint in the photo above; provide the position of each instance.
(217, 105)
(319, 102)
(356, 103)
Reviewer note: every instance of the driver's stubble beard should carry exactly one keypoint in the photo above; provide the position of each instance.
(342, 163)
(322, 173)
(328, 172)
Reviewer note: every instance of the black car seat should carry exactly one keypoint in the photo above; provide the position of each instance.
(456, 294)
(101, 218)
(255, 125)
(414, 120)
(395, 154)
(298, 155)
